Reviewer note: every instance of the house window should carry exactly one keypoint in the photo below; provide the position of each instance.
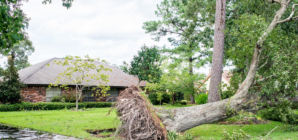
(113, 94)
(88, 96)
(53, 91)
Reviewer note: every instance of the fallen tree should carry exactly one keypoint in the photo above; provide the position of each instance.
(141, 115)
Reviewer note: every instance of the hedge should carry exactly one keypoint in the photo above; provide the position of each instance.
(51, 106)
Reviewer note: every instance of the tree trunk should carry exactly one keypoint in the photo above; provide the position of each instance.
(182, 119)
(218, 48)
(77, 103)
(192, 100)
(138, 121)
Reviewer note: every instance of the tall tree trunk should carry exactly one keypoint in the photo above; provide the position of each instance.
(183, 119)
(192, 98)
(218, 48)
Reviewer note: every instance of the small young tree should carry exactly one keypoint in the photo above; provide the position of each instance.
(175, 80)
(11, 86)
(146, 65)
(83, 73)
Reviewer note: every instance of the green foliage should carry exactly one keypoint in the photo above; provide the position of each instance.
(166, 98)
(182, 22)
(175, 136)
(181, 102)
(226, 94)
(146, 65)
(201, 99)
(13, 23)
(51, 106)
(78, 74)
(282, 112)
(11, 86)
(236, 135)
(159, 97)
(22, 50)
(65, 3)
(175, 81)
(68, 98)
(56, 98)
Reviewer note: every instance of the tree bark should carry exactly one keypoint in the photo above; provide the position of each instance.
(192, 100)
(182, 119)
(218, 48)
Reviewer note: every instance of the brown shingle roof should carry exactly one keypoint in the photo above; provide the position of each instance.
(41, 74)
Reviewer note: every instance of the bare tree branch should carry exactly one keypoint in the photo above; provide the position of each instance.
(291, 15)
(263, 64)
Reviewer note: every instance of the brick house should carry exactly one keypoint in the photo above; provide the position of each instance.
(38, 77)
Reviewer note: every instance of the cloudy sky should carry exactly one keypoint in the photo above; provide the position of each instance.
(109, 30)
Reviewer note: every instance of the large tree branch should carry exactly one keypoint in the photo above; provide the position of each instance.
(263, 64)
(182, 119)
(291, 15)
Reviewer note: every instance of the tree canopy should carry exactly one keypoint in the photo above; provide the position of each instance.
(145, 65)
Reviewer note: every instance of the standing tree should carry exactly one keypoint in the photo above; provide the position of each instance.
(21, 50)
(175, 80)
(11, 85)
(183, 18)
(146, 65)
(83, 73)
(137, 124)
(218, 51)
(13, 23)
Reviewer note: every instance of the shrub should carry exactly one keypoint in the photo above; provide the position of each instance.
(56, 98)
(166, 98)
(11, 85)
(51, 106)
(226, 94)
(201, 99)
(153, 98)
(70, 97)
(282, 112)
(236, 135)
(181, 102)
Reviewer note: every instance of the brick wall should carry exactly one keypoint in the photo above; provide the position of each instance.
(34, 94)
(38, 94)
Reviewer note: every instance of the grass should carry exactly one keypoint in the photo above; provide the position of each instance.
(75, 124)
(64, 122)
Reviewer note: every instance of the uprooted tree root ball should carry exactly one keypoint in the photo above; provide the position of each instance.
(138, 117)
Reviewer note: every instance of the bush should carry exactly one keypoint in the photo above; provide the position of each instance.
(70, 97)
(11, 85)
(56, 98)
(201, 99)
(226, 94)
(51, 106)
(282, 113)
(166, 98)
(181, 102)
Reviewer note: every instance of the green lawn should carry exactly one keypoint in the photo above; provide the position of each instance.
(72, 123)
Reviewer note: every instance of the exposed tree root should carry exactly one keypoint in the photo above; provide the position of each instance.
(138, 117)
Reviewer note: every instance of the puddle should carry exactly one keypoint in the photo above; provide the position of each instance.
(11, 133)
(103, 133)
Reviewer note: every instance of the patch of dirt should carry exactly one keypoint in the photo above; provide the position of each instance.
(98, 133)
(244, 121)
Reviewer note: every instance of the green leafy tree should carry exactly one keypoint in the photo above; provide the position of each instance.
(78, 74)
(192, 40)
(13, 23)
(175, 80)
(146, 65)
(22, 50)
(11, 85)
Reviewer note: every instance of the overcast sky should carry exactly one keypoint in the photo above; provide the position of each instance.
(109, 30)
